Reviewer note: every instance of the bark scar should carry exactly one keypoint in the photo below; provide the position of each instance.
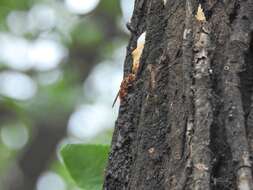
(127, 82)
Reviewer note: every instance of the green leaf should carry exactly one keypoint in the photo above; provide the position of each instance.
(86, 164)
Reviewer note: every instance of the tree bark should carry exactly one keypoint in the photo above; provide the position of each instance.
(187, 120)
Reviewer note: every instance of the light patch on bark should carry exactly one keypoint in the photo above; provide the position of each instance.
(136, 54)
(200, 16)
(203, 109)
(186, 33)
(151, 150)
(152, 70)
(243, 180)
(244, 173)
(164, 2)
(201, 167)
(141, 39)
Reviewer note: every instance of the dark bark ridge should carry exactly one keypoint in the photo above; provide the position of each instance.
(186, 122)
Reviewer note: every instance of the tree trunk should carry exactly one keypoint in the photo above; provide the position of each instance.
(186, 121)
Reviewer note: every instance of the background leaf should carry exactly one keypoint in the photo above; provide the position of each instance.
(86, 164)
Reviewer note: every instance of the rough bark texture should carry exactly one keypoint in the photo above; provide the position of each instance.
(187, 120)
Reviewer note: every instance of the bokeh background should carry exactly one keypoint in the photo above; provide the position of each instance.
(60, 69)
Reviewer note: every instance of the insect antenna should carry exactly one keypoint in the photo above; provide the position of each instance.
(115, 99)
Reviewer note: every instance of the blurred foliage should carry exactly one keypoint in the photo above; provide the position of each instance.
(58, 99)
(87, 33)
(89, 39)
(110, 7)
(86, 164)
(103, 138)
(61, 170)
(6, 6)
(6, 156)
